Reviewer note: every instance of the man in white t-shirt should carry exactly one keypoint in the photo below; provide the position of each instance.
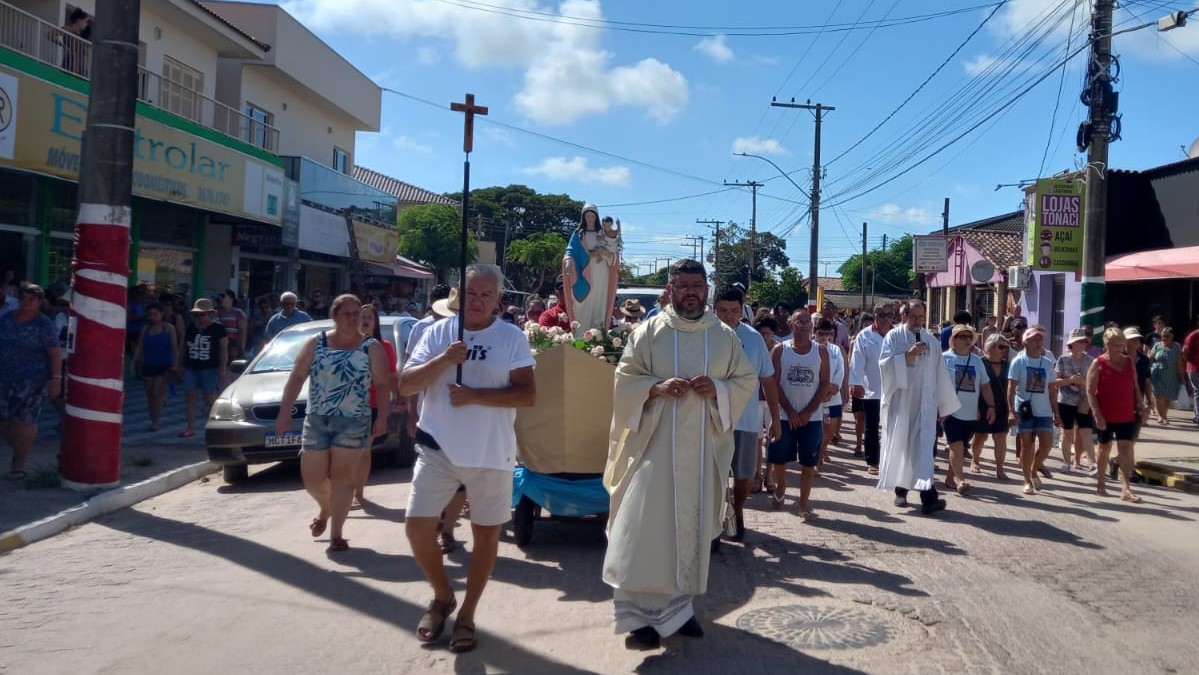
(729, 303)
(466, 436)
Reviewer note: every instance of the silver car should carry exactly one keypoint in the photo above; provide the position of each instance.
(241, 424)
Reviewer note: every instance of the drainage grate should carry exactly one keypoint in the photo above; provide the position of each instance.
(816, 627)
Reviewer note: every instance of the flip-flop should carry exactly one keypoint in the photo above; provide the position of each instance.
(1131, 499)
(433, 622)
(463, 638)
(356, 505)
(186, 433)
(337, 544)
(317, 526)
(873, 471)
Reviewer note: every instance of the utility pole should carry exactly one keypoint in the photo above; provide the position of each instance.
(884, 242)
(715, 247)
(696, 242)
(1094, 136)
(753, 228)
(819, 109)
(863, 267)
(90, 451)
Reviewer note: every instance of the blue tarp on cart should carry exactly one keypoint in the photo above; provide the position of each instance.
(560, 496)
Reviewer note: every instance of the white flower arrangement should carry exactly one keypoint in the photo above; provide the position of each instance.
(598, 351)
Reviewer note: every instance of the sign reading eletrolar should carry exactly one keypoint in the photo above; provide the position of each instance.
(1054, 215)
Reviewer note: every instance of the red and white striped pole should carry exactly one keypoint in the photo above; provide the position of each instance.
(90, 455)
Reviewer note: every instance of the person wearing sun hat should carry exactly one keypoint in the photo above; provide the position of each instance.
(632, 311)
(202, 360)
(1134, 338)
(970, 379)
(1032, 404)
(1070, 377)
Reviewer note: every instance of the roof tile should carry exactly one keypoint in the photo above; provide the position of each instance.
(405, 193)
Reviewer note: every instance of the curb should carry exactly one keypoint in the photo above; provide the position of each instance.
(104, 503)
(1169, 475)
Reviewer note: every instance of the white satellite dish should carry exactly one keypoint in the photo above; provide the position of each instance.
(1194, 151)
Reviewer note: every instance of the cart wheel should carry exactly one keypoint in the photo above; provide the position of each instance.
(522, 521)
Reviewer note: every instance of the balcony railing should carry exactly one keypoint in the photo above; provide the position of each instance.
(46, 43)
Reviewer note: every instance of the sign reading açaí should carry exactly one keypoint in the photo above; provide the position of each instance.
(168, 164)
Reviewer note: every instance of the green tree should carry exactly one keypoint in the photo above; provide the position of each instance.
(432, 234)
(890, 269)
(508, 214)
(770, 256)
(536, 261)
(787, 286)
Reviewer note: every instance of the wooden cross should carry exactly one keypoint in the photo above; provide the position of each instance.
(468, 132)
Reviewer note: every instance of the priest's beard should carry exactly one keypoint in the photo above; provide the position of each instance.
(689, 314)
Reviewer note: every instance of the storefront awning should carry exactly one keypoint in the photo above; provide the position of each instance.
(1165, 263)
(397, 269)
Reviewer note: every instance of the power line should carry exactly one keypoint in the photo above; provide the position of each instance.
(1061, 82)
(698, 31)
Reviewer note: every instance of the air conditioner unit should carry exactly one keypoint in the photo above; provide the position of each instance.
(1019, 277)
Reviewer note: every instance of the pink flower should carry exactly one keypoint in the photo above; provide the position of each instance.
(616, 342)
(597, 351)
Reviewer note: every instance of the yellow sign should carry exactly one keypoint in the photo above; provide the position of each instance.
(376, 244)
(43, 131)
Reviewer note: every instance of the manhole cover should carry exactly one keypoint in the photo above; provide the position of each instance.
(816, 627)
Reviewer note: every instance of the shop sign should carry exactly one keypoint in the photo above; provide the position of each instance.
(256, 234)
(376, 244)
(168, 164)
(291, 214)
(929, 254)
(1055, 211)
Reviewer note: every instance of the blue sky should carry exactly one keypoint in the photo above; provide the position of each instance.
(669, 106)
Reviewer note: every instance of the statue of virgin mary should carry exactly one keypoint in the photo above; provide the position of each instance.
(590, 271)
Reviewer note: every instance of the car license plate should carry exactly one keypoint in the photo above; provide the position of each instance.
(288, 439)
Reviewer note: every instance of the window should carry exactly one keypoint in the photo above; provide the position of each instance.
(181, 87)
(341, 160)
(256, 131)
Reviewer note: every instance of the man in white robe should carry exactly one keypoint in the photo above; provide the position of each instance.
(917, 392)
(681, 385)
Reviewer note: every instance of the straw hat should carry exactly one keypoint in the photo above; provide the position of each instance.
(632, 308)
(1078, 335)
(203, 306)
(1133, 333)
(447, 306)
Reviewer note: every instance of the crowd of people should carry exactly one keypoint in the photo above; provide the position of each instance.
(704, 392)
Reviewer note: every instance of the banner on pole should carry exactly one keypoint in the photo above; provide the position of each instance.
(1055, 214)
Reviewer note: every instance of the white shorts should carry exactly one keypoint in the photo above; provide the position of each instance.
(436, 479)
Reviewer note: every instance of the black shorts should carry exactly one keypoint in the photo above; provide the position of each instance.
(154, 371)
(1070, 416)
(958, 431)
(1120, 431)
(855, 406)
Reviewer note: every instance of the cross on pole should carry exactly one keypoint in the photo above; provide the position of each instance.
(469, 109)
(468, 130)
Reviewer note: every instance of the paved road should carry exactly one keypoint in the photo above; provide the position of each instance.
(213, 578)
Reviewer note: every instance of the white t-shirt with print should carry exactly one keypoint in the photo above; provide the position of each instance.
(1032, 377)
(968, 377)
(473, 436)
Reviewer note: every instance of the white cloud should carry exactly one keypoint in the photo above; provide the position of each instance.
(567, 72)
(576, 169)
(427, 56)
(979, 65)
(409, 144)
(894, 213)
(756, 145)
(716, 48)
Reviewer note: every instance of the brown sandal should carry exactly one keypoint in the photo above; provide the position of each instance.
(463, 638)
(432, 624)
(317, 527)
(337, 544)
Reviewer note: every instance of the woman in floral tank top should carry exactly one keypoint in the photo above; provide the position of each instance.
(339, 365)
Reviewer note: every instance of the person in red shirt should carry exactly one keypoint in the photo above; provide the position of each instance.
(1190, 352)
(556, 315)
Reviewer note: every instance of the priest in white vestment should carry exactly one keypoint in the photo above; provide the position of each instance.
(681, 385)
(917, 392)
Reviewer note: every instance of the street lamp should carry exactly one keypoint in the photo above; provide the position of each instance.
(812, 281)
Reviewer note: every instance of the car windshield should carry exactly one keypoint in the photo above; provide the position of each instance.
(280, 354)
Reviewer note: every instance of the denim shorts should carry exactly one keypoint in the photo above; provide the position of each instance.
(1031, 423)
(204, 379)
(322, 432)
(802, 445)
